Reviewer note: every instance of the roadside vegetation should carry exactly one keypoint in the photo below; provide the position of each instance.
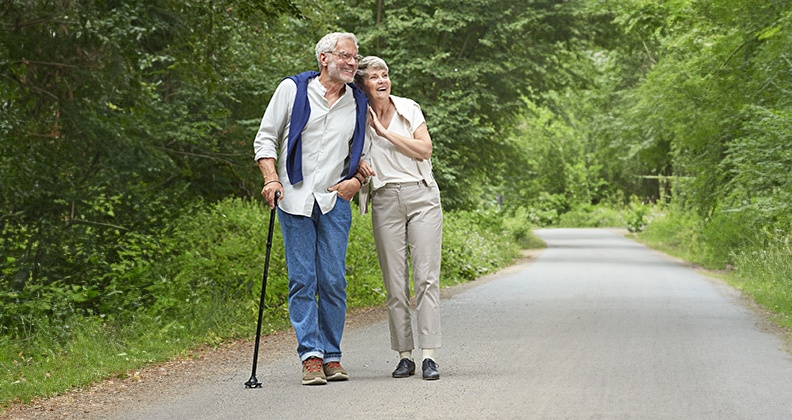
(131, 229)
(200, 285)
(758, 263)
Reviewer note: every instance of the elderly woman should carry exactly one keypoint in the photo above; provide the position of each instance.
(406, 215)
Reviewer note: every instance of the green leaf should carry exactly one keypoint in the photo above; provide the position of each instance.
(768, 33)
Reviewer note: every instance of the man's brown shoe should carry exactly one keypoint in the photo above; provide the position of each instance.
(334, 372)
(312, 372)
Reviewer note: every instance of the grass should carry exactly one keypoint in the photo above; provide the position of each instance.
(47, 365)
(766, 274)
(531, 241)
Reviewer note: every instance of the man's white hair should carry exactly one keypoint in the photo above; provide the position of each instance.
(328, 43)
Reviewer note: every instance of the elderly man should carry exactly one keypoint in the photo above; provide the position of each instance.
(314, 128)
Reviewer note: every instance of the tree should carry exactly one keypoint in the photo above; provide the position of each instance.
(469, 65)
(117, 116)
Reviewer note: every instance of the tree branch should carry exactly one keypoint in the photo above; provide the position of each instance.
(39, 21)
(464, 46)
(90, 223)
(648, 53)
(200, 155)
(50, 64)
(50, 94)
(730, 57)
(787, 60)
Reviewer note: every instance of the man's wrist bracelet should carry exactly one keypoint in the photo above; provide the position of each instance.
(358, 180)
(270, 182)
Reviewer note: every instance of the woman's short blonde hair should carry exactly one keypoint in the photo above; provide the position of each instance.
(369, 62)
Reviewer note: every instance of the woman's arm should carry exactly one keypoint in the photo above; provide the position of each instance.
(419, 147)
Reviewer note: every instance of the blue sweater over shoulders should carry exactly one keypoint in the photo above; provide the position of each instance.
(301, 111)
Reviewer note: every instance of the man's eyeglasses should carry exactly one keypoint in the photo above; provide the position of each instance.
(345, 56)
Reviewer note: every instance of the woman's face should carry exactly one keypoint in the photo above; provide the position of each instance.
(377, 84)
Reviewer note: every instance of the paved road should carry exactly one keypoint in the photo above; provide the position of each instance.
(598, 327)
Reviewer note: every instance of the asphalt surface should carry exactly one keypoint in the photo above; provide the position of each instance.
(597, 327)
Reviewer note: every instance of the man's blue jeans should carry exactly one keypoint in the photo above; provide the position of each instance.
(316, 259)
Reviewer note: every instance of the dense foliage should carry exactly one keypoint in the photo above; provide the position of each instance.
(117, 117)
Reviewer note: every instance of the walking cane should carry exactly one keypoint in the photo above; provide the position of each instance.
(253, 382)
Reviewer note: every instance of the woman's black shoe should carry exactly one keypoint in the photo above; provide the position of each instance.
(406, 368)
(430, 372)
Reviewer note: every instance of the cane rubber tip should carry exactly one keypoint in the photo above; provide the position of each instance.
(253, 383)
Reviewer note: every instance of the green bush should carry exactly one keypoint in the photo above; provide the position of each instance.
(727, 233)
(518, 223)
(676, 232)
(636, 216)
(364, 278)
(591, 216)
(766, 274)
(712, 243)
(474, 243)
(199, 282)
(547, 209)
